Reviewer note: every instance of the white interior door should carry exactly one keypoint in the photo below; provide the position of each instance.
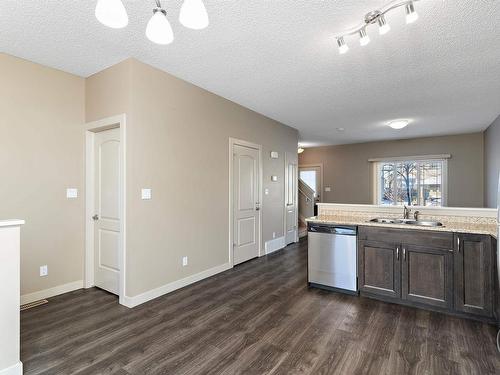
(312, 176)
(291, 215)
(246, 205)
(107, 210)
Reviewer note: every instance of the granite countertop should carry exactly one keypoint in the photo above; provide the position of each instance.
(449, 225)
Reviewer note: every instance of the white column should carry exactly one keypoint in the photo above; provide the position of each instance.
(10, 362)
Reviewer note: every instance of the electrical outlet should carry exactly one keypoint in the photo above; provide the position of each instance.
(184, 261)
(274, 234)
(44, 270)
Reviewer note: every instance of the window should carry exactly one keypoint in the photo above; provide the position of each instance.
(412, 182)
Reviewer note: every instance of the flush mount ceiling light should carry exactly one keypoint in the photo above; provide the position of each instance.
(398, 124)
(193, 15)
(377, 17)
(300, 150)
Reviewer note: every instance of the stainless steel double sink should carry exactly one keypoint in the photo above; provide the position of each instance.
(422, 223)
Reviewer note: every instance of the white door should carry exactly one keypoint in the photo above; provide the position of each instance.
(291, 216)
(311, 175)
(107, 210)
(246, 205)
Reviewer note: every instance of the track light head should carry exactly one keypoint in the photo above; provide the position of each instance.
(343, 48)
(384, 27)
(411, 14)
(364, 39)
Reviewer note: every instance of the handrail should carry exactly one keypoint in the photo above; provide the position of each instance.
(308, 199)
(306, 187)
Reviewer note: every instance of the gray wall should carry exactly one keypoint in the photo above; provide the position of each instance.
(491, 163)
(349, 174)
(178, 145)
(42, 154)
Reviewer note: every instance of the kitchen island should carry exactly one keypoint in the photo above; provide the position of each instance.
(449, 268)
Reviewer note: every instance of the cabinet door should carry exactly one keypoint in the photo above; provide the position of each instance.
(427, 275)
(473, 274)
(379, 268)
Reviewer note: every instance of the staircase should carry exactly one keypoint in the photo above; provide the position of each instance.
(306, 206)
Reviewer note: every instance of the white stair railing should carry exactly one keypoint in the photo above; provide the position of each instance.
(306, 201)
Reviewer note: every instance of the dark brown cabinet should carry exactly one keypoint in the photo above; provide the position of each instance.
(473, 274)
(439, 270)
(427, 276)
(379, 268)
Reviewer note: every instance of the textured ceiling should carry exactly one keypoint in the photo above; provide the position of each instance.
(277, 57)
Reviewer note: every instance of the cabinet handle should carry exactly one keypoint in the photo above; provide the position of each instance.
(397, 252)
(404, 254)
(458, 243)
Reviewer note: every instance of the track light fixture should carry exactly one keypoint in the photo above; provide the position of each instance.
(193, 15)
(378, 17)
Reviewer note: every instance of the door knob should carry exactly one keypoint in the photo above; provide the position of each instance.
(95, 217)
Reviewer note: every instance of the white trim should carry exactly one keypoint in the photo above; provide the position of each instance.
(91, 128)
(11, 223)
(416, 157)
(274, 245)
(170, 287)
(232, 142)
(438, 211)
(51, 292)
(316, 165)
(16, 369)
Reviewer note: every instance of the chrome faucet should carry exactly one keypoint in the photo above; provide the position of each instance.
(406, 213)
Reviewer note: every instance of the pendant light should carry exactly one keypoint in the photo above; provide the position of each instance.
(364, 39)
(383, 26)
(111, 13)
(193, 14)
(343, 48)
(159, 30)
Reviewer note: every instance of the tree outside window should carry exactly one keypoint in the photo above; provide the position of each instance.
(411, 182)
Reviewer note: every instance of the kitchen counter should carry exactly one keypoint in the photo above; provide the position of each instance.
(459, 225)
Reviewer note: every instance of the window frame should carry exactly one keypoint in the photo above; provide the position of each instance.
(378, 168)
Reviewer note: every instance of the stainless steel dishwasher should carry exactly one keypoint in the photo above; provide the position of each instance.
(332, 257)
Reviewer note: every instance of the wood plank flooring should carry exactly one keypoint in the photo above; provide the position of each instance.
(258, 318)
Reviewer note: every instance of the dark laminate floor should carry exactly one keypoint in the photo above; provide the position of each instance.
(258, 318)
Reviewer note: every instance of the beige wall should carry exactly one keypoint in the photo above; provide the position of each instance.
(492, 163)
(348, 172)
(177, 144)
(41, 154)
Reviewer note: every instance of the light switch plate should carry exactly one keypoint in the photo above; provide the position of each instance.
(71, 193)
(146, 194)
(274, 155)
(274, 178)
(328, 188)
(266, 191)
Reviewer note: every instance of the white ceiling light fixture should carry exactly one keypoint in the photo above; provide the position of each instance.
(194, 15)
(398, 124)
(377, 17)
(343, 48)
(364, 39)
(411, 14)
(111, 13)
(159, 30)
(383, 26)
(300, 150)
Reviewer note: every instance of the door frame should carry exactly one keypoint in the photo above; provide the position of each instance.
(240, 142)
(91, 129)
(296, 201)
(316, 165)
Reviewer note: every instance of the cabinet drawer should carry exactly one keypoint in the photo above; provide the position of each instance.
(417, 237)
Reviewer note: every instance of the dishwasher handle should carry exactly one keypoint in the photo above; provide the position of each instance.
(333, 229)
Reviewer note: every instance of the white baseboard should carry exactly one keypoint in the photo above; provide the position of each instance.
(274, 245)
(17, 369)
(51, 292)
(168, 288)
